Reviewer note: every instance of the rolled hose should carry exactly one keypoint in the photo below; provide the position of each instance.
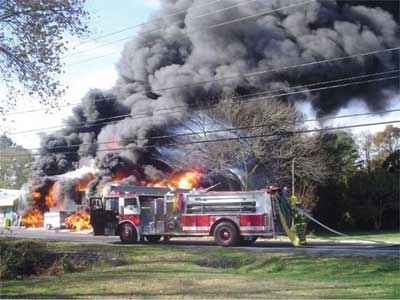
(293, 237)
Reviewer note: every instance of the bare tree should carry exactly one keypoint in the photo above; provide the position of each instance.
(306, 193)
(261, 141)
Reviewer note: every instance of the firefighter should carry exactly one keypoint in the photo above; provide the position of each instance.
(299, 220)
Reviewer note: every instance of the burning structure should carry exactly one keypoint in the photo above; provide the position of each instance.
(191, 56)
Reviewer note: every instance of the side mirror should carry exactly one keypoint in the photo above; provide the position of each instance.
(121, 211)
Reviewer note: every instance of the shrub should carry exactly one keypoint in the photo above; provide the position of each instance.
(21, 259)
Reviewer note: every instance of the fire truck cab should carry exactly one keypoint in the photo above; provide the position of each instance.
(138, 213)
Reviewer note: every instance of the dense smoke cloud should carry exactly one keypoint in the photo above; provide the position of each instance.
(182, 54)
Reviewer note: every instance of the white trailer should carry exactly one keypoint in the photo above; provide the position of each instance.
(54, 219)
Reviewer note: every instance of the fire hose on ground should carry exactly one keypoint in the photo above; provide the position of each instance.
(296, 233)
(308, 216)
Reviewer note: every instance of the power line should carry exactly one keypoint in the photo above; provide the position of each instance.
(143, 23)
(160, 28)
(213, 131)
(144, 115)
(210, 27)
(256, 73)
(281, 134)
(216, 130)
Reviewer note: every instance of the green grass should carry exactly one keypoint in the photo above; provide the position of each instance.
(172, 272)
(383, 236)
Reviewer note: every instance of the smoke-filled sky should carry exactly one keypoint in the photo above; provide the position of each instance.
(183, 54)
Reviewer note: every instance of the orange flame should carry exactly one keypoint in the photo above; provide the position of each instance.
(40, 204)
(84, 182)
(182, 180)
(33, 218)
(49, 198)
(36, 195)
(119, 175)
(78, 221)
(187, 180)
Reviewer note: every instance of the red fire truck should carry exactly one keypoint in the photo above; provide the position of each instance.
(147, 213)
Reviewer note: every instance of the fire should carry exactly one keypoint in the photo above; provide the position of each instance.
(188, 180)
(84, 182)
(78, 221)
(41, 202)
(119, 175)
(36, 195)
(181, 179)
(33, 218)
(49, 198)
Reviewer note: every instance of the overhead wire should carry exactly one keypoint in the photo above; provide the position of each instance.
(245, 75)
(173, 110)
(124, 29)
(214, 131)
(161, 28)
(218, 130)
(281, 134)
(263, 72)
(215, 25)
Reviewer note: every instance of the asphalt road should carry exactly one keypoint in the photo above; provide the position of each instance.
(270, 246)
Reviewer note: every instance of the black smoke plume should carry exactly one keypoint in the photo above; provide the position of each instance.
(182, 53)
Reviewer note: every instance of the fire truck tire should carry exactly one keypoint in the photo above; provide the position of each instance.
(128, 234)
(153, 238)
(248, 241)
(226, 234)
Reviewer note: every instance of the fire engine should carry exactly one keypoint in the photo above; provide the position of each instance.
(147, 213)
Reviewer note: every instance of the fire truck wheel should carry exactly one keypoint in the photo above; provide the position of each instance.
(153, 238)
(128, 234)
(226, 234)
(247, 241)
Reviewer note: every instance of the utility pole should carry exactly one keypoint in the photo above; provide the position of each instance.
(293, 176)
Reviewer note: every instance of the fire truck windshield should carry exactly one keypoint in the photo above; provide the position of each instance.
(111, 204)
(131, 206)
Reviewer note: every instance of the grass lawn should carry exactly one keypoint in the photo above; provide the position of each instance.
(384, 236)
(171, 272)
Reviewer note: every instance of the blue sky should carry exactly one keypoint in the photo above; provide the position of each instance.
(112, 15)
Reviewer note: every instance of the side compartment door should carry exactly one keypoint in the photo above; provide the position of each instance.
(173, 220)
(159, 217)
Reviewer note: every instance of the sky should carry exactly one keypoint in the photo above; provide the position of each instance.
(92, 65)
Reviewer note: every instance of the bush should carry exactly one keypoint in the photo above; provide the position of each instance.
(22, 258)
(25, 258)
